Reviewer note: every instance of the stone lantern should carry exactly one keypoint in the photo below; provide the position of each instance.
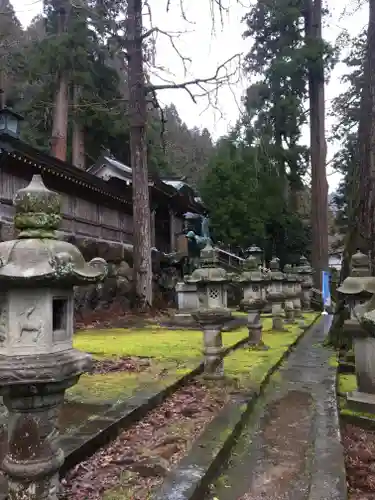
(37, 361)
(253, 302)
(358, 290)
(255, 252)
(290, 293)
(354, 287)
(305, 273)
(212, 314)
(275, 294)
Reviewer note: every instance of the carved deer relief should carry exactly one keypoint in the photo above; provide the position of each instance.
(29, 326)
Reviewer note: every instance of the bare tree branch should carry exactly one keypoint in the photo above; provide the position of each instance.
(217, 80)
(171, 36)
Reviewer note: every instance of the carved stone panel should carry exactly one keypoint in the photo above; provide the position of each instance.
(40, 321)
(215, 297)
(29, 322)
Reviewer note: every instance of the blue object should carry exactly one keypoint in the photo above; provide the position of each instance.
(326, 293)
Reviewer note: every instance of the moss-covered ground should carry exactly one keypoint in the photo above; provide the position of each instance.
(247, 368)
(173, 353)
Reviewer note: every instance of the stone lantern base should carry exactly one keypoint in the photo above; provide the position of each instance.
(364, 353)
(254, 323)
(276, 299)
(33, 389)
(289, 312)
(297, 307)
(212, 321)
(306, 298)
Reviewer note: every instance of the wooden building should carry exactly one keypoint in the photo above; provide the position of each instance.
(97, 203)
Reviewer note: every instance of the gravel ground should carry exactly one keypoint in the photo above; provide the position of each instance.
(359, 445)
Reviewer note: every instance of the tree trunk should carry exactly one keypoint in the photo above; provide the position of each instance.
(319, 185)
(138, 152)
(362, 196)
(78, 136)
(365, 197)
(60, 121)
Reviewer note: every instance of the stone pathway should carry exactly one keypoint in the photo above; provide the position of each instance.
(290, 449)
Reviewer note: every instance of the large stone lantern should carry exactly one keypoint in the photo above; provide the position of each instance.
(305, 272)
(253, 282)
(275, 294)
(357, 289)
(37, 361)
(212, 313)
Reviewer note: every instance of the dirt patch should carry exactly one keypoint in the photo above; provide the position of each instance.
(359, 446)
(285, 441)
(116, 318)
(139, 459)
(123, 364)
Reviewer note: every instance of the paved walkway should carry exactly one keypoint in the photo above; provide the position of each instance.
(291, 449)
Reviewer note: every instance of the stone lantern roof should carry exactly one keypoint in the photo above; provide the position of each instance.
(276, 274)
(37, 257)
(359, 281)
(251, 272)
(209, 270)
(289, 275)
(304, 266)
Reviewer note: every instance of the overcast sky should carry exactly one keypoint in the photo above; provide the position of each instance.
(207, 49)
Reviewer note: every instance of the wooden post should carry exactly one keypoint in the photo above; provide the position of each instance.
(172, 228)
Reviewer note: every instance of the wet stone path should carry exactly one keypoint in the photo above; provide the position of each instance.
(290, 448)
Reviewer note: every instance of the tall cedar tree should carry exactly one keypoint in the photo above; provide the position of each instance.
(288, 56)
(362, 179)
(318, 149)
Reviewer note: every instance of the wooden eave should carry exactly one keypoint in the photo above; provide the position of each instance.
(44, 163)
(111, 192)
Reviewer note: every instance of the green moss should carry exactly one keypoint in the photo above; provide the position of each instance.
(248, 367)
(347, 382)
(118, 386)
(333, 361)
(106, 387)
(174, 353)
(154, 342)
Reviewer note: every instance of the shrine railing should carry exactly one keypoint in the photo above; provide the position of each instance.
(229, 260)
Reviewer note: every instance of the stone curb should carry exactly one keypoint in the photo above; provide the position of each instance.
(329, 479)
(191, 479)
(107, 426)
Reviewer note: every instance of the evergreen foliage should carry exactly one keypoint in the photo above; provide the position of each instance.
(259, 172)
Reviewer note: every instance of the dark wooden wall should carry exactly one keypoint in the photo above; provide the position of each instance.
(83, 217)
